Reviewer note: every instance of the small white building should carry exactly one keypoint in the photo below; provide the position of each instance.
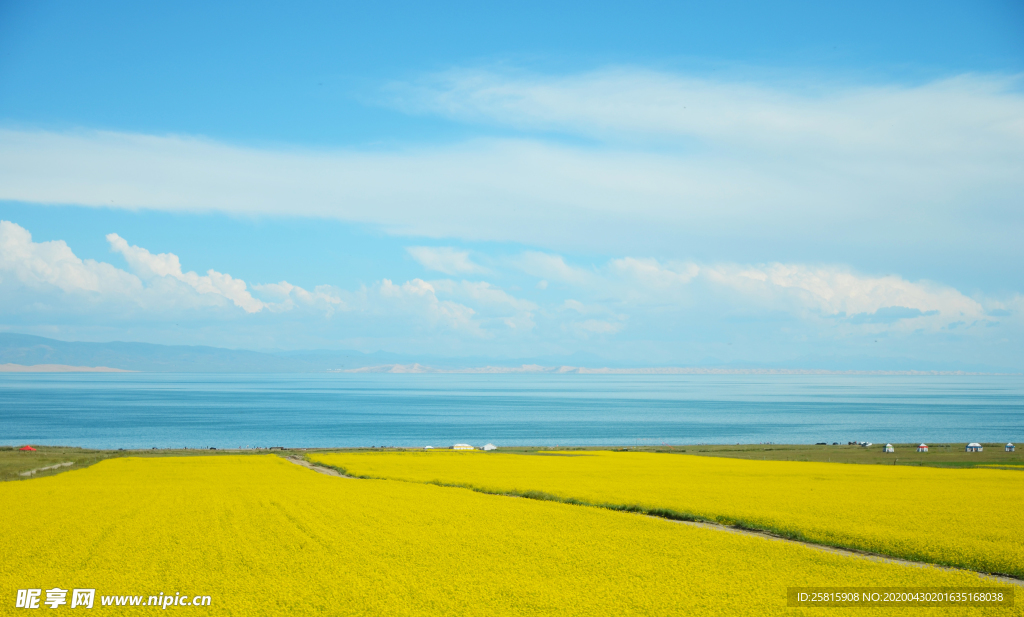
(490, 446)
(889, 448)
(922, 448)
(428, 447)
(973, 447)
(463, 446)
(1009, 447)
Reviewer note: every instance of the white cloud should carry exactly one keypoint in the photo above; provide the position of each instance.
(40, 265)
(324, 297)
(151, 266)
(492, 301)
(582, 319)
(976, 115)
(420, 297)
(157, 283)
(733, 160)
(553, 267)
(651, 273)
(626, 280)
(487, 294)
(445, 259)
(835, 291)
(873, 302)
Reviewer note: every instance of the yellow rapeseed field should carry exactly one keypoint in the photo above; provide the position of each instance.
(969, 518)
(262, 536)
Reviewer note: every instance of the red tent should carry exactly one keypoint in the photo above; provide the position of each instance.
(29, 448)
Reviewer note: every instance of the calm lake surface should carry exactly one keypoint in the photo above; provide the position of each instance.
(347, 410)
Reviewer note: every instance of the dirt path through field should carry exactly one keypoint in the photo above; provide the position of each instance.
(327, 471)
(847, 552)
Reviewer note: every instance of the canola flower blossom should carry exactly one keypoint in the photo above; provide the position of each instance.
(968, 518)
(263, 536)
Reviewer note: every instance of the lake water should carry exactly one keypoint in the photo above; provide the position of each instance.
(349, 410)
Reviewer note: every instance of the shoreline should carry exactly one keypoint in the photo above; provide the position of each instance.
(941, 455)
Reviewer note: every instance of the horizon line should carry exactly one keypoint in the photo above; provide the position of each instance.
(417, 368)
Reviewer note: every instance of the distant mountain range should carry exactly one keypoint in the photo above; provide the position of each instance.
(27, 350)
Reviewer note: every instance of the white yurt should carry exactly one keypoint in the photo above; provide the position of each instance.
(973, 447)
(490, 446)
(922, 448)
(463, 446)
(1009, 447)
(889, 448)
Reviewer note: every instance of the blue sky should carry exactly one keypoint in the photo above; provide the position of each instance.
(786, 184)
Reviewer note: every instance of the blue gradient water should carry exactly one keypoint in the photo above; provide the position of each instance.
(173, 411)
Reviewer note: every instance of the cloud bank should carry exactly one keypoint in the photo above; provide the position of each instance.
(663, 157)
(621, 296)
